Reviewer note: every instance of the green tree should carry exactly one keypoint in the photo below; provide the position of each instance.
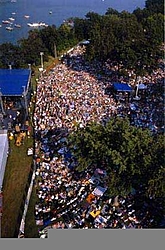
(155, 6)
(31, 48)
(66, 37)
(128, 33)
(140, 14)
(111, 11)
(81, 29)
(154, 27)
(49, 38)
(11, 54)
(156, 178)
(127, 153)
(101, 35)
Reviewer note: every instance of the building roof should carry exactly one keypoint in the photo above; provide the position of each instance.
(124, 87)
(13, 80)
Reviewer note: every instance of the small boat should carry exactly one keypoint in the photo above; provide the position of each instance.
(41, 24)
(26, 16)
(6, 22)
(33, 24)
(36, 25)
(9, 28)
(13, 13)
(11, 19)
(17, 25)
(50, 12)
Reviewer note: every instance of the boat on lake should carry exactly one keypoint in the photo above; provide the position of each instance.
(43, 24)
(17, 25)
(36, 25)
(11, 19)
(9, 28)
(6, 22)
(33, 25)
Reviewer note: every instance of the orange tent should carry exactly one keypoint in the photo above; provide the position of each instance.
(90, 198)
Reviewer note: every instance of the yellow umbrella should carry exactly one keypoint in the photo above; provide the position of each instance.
(94, 214)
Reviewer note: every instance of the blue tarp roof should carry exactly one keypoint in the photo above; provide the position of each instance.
(13, 80)
(122, 87)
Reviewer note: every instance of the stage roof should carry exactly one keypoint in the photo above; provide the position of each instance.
(124, 87)
(13, 80)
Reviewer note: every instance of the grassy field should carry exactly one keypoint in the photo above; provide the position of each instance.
(15, 186)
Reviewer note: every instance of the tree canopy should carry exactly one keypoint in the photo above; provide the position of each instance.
(130, 155)
(155, 6)
(133, 39)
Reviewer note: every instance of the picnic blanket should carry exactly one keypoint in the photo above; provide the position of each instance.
(99, 191)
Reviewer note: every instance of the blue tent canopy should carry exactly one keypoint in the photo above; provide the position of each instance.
(124, 87)
(14, 81)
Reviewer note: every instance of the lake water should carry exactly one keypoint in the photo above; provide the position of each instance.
(39, 11)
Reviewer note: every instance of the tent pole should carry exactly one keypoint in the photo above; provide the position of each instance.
(137, 86)
(1, 102)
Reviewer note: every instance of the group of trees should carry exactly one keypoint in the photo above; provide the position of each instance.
(133, 39)
(131, 156)
(27, 51)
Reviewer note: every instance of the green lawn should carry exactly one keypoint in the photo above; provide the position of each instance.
(15, 186)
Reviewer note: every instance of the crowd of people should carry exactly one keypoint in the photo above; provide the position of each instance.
(72, 95)
(146, 113)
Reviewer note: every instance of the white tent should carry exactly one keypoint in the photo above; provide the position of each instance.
(142, 86)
